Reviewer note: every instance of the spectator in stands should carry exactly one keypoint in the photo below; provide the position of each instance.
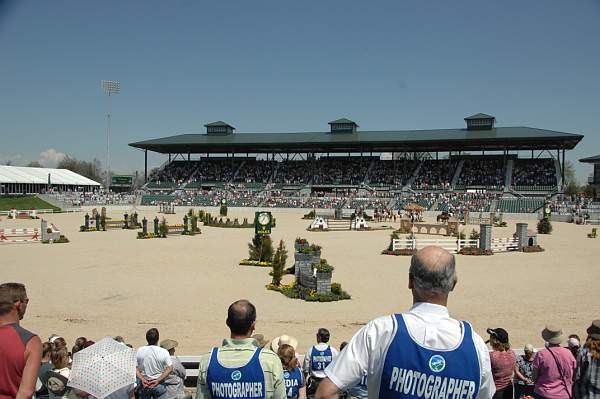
(317, 359)
(79, 345)
(175, 381)
(21, 350)
(524, 373)
(391, 347)
(45, 366)
(154, 365)
(573, 344)
(503, 361)
(587, 374)
(240, 360)
(58, 377)
(292, 374)
(553, 367)
(285, 340)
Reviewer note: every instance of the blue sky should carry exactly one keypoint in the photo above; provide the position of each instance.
(289, 66)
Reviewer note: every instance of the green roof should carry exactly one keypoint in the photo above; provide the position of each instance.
(479, 116)
(342, 120)
(511, 138)
(594, 159)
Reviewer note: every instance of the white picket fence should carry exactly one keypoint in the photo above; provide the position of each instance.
(450, 245)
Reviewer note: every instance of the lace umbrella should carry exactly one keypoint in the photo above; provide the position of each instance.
(103, 368)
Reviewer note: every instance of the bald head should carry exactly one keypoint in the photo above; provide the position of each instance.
(432, 274)
(241, 316)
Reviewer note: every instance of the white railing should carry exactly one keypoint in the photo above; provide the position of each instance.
(505, 244)
(29, 211)
(451, 245)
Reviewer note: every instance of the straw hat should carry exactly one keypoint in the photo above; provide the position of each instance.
(552, 334)
(169, 344)
(260, 340)
(283, 340)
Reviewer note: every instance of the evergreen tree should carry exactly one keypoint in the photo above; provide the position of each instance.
(279, 260)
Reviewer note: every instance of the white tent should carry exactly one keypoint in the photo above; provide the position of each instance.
(23, 175)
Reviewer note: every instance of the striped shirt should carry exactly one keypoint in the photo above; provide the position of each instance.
(238, 352)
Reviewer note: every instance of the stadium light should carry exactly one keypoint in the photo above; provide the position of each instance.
(109, 87)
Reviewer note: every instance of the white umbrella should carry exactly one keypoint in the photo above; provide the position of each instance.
(103, 368)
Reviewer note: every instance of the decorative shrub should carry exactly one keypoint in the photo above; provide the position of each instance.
(544, 227)
(399, 252)
(393, 236)
(533, 248)
(279, 260)
(163, 228)
(474, 235)
(223, 210)
(462, 235)
(310, 215)
(475, 251)
(323, 266)
(261, 248)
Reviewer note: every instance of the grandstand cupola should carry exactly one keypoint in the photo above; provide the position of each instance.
(343, 126)
(480, 122)
(219, 128)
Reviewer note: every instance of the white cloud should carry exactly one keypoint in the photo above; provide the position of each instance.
(50, 158)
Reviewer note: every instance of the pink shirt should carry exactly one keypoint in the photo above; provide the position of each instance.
(503, 365)
(549, 383)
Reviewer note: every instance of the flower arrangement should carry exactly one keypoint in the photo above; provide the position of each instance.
(323, 266)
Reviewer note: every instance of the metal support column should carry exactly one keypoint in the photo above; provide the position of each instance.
(562, 171)
(145, 166)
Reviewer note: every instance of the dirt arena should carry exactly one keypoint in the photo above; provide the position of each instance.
(110, 283)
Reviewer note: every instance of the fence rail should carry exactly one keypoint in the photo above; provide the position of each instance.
(451, 245)
(6, 213)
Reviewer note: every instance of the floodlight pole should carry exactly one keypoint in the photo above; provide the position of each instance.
(109, 87)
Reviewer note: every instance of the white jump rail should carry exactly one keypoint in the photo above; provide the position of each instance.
(505, 244)
(28, 211)
(450, 245)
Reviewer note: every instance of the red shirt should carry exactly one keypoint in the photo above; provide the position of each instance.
(503, 365)
(13, 339)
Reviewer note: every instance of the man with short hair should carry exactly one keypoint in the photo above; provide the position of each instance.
(240, 368)
(20, 350)
(153, 366)
(317, 358)
(422, 353)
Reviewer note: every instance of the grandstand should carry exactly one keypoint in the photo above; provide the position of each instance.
(476, 168)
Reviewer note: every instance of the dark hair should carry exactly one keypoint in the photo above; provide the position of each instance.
(437, 281)
(152, 336)
(240, 316)
(79, 344)
(9, 294)
(343, 345)
(60, 358)
(46, 348)
(323, 335)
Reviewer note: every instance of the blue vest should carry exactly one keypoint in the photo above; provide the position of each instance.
(293, 382)
(412, 371)
(320, 359)
(247, 381)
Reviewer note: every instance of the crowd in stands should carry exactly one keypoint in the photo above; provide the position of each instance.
(534, 174)
(391, 173)
(485, 173)
(256, 171)
(458, 202)
(341, 170)
(435, 175)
